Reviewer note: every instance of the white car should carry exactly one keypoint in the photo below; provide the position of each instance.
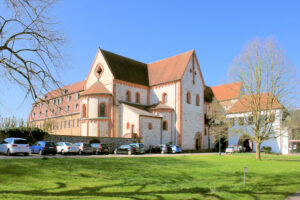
(229, 150)
(66, 148)
(12, 146)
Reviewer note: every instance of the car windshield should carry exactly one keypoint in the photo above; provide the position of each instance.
(20, 142)
(68, 144)
(87, 145)
(50, 144)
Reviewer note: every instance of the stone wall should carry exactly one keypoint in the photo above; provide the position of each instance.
(111, 142)
(192, 115)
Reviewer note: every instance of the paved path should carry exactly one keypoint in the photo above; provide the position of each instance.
(101, 156)
(296, 196)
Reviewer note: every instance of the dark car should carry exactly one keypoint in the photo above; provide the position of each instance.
(125, 149)
(100, 148)
(139, 148)
(44, 147)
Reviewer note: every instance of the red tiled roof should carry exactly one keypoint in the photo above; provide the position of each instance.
(161, 106)
(97, 88)
(168, 69)
(75, 87)
(243, 104)
(227, 91)
(71, 89)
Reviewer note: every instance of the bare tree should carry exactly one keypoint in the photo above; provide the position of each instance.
(29, 46)
(217, 122)
(268, 83)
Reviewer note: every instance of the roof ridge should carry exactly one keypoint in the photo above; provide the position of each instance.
(170, 57)
(123, 56)
(226, 84)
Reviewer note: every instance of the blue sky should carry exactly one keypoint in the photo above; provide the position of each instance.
(152, 30)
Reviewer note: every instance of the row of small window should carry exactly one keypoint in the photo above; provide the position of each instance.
(240, 121)
(67, 108)
(137, 97)
(60, 125)
(66, 124)
(58, 100)
(165, 125)
(101, 110)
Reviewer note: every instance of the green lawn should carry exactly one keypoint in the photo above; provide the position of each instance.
(182, 177)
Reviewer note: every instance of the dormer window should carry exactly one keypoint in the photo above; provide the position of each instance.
(65, 91)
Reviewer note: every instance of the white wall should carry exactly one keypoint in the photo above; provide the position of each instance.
(127, 115)
(192, 115)
(279, 144)
(150, 137)
(166, 134)
(172, 90)
(106, 78)
(121, 90)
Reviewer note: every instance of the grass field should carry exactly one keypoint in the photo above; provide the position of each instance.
(182, 177)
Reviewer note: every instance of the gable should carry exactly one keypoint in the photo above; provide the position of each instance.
(106, 77)
(192, 75)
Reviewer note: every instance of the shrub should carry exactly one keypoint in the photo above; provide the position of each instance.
(267, 149)
(94, 141)
(32, 134)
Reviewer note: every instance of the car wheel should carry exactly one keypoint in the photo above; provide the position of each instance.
(63, 152)
(97, 152)
(41, 152)
(26, 154)
(8, 152)
(80, 152)
(30, 151)
(54, 154)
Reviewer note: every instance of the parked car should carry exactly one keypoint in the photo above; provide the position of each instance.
(84, 148)
(175, 149)
(100, 148)
(229, 150)
(139, 148)
(125, 149)
(43, 147)
(66, 148)
(11, 146)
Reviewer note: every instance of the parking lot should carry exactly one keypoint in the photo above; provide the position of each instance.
(98, 156)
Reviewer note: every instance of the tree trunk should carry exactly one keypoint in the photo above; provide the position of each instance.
(258, 151)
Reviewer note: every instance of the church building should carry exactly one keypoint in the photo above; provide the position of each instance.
(156, 103)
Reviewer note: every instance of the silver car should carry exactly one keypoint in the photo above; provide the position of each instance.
(84, 148)
(12, 146)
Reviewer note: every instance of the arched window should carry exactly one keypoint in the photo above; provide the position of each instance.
(137, 97)
(128, 96)
(128, 125)
(101, 110)
(188, 97)
(165, 98)
(84, 110)
(150, 126)
(197, 100)
(165, 125)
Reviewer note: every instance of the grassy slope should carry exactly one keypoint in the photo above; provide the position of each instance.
(184, 177)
